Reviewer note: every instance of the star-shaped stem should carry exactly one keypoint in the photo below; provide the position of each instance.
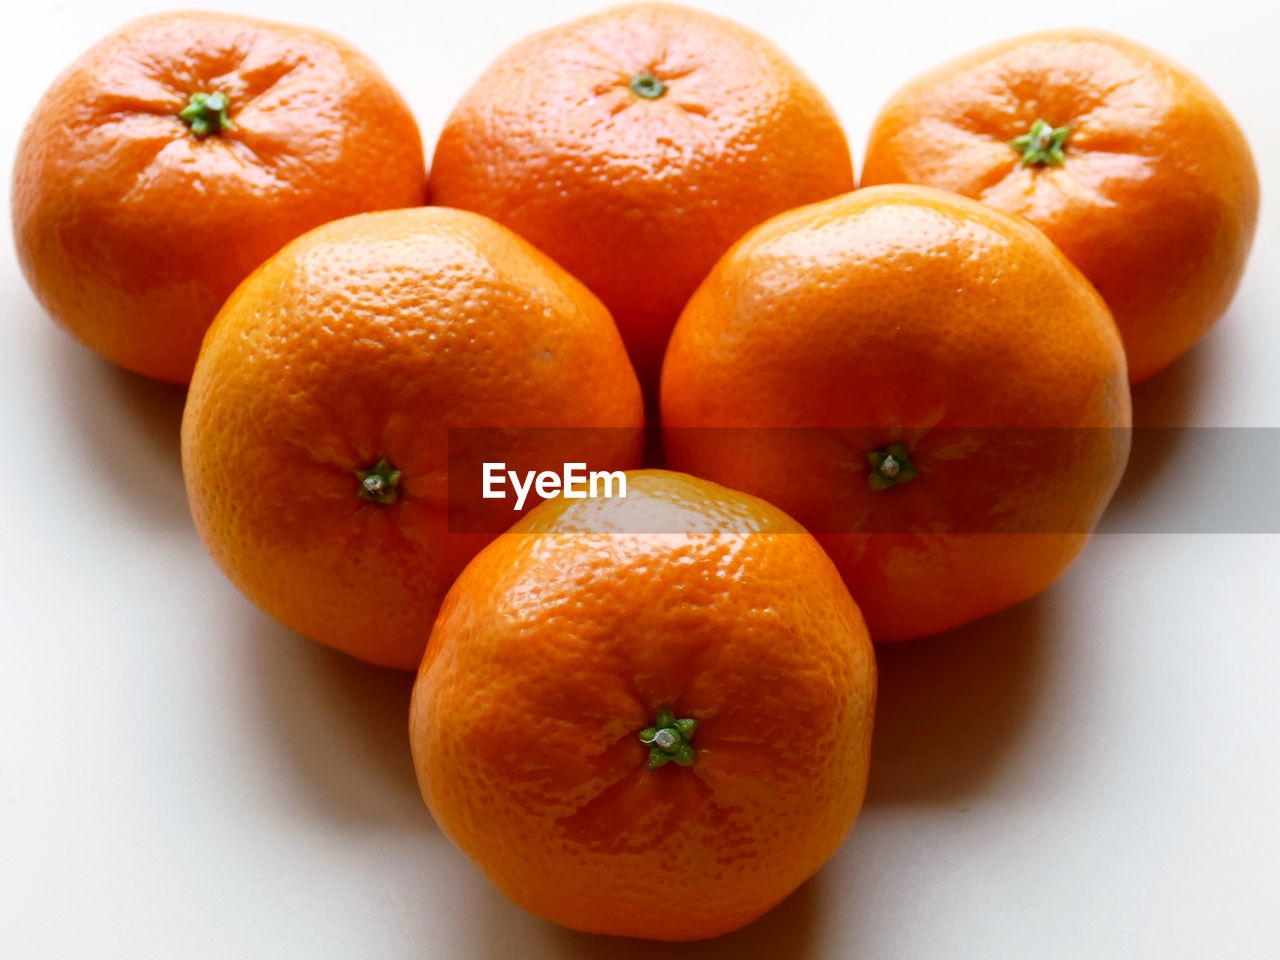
(379, 483)
(1042, 145)
(206, 113)
(890, 467)
(647, 85)
(668, 740)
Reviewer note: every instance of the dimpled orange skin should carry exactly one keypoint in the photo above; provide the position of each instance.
(562, 640)
(906, 314)
(368, 338)
(1156, 199)
(132, 231)
(638, 197)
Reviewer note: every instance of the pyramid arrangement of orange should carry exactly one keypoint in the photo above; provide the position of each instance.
(882, 412)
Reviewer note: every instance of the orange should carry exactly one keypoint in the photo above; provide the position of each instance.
(316, 437)
(1124, 159)
(928, 385)
(634, 146)
(180, 152)
(648, 716)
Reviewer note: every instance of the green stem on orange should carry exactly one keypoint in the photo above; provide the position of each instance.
(206, 114)
(668, 740)
(1042, 145)
(647, 85)
(890, 467)
(379, 483)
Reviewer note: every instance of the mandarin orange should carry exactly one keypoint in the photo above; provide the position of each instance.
(924, 382)
(1125, 160)
(648, 716)
(180, 152)
(316, 438)
(634, 146)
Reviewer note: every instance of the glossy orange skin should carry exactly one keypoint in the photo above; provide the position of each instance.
(906, 314)
(368, 338)
(1156, 200)
(562, 639)
(638, 197)
(132, 231)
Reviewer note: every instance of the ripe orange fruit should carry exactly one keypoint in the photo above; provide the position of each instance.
(180, 152)
(649, 716)
(634, 146)
(1125, 160)
(939, 396)
(315, 440)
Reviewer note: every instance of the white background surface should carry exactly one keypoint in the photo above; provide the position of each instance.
(1093, 774)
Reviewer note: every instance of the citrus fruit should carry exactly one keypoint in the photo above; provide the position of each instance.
(1125, 160)
(316, 435)
(634, 146)
(926, 383)
(180, 152)
(648, 716)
